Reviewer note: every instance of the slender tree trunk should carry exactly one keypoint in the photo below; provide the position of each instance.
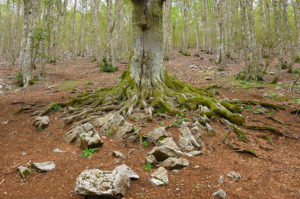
(220, 34)
(167, 27)
(109, 33)
(28, 28)
(73, 34)
(96, 32)
(279, 38)
(296, 8)
(185, 27)
(196, 27)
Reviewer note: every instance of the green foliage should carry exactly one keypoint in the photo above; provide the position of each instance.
(56, 108)
(110, 132)
(185, 53)
(88, 152)
(144, 143)
(106, 67)
(19, 79)
(148, 167)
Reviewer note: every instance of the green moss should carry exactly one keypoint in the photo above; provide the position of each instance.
(242, 135)
(264, 104)
(232, 107)
(248, 151)
(265, 137)
(266, 128)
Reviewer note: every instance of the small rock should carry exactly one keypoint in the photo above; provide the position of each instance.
(44, 166)
(272, 73)
(24, 153)
(151, 159)
(83, 136)
(118, 154)
(41, 122)
(57, 150)
(175, 170)
(127, 171)
(157, 133)
(174, 163)
(221, 179)
(160, 177)
(162, 153)
(177, 189)
(4, 122)
(208, 78)
(234, 175)
(197, 167)
(24, 171)
(219, 194)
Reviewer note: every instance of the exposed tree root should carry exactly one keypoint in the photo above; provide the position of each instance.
(270, 129)
(263, 104)
(171, 97)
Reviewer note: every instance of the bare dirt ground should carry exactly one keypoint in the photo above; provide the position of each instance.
(274, 173)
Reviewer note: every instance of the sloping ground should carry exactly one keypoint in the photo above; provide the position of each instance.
(275, 173)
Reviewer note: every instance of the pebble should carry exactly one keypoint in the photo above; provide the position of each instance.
(175, 170)
(57, 150)
(197, 167)
(177, 189)
(221, 179)
(219, 194)
(24, 153)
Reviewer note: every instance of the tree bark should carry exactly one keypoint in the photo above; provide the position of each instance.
(146, 67)
(167, 27)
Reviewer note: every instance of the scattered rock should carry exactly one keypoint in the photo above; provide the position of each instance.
(187, 141)
(163, 152)
(220, 194)
(175, 170)
(4, 122)
(234, 175)
(127, 171)
(221, 180)
(24, 153)
(209, 128)
(106, 184)
(168, 142)
(118, 154)
(151, 159)
(197, 167)
(41, 122)
(44, 166)
(102, 120)
(83, 136)
(157, 133)
(208, 78)
(272, 73)
(57, 150)
(193, 153)
(24, 171)
(174, 163)
(160, 177)
(193, 66)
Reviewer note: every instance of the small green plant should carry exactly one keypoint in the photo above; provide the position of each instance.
(296, 71)
(88, 152)
(144, 143)
(110, 132)
(106, 67)
(148, 167)
(19, 78)
(56, 108)
(185, 53)
(159, 110)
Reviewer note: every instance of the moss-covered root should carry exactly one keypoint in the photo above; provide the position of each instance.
(263, 104)
(239, 132)
(49, 108)
(270, 129)
(169, 97)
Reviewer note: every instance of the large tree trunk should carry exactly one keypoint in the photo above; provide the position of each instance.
(146, 66)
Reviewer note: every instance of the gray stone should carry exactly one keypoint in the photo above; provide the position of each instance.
(151, 159)
(234, 175)
(221, 179)
(174, 163)
(118, 154)
(83, 136)
(127, 171)
(219, 194)
(208, 78)
(57, 150)
(160, 177)
(157, 133)
(24, 171)
(44, 166)
(163, 152)
(197, 167)
(169, 142)
(41, 122)
(102, 120)
(187, 141)
(95, 182)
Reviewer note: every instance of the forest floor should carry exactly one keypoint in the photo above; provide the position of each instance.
(275, 173)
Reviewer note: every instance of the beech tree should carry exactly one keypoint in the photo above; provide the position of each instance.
(145, 86)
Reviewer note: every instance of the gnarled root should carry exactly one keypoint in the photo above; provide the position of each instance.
(169, 97)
